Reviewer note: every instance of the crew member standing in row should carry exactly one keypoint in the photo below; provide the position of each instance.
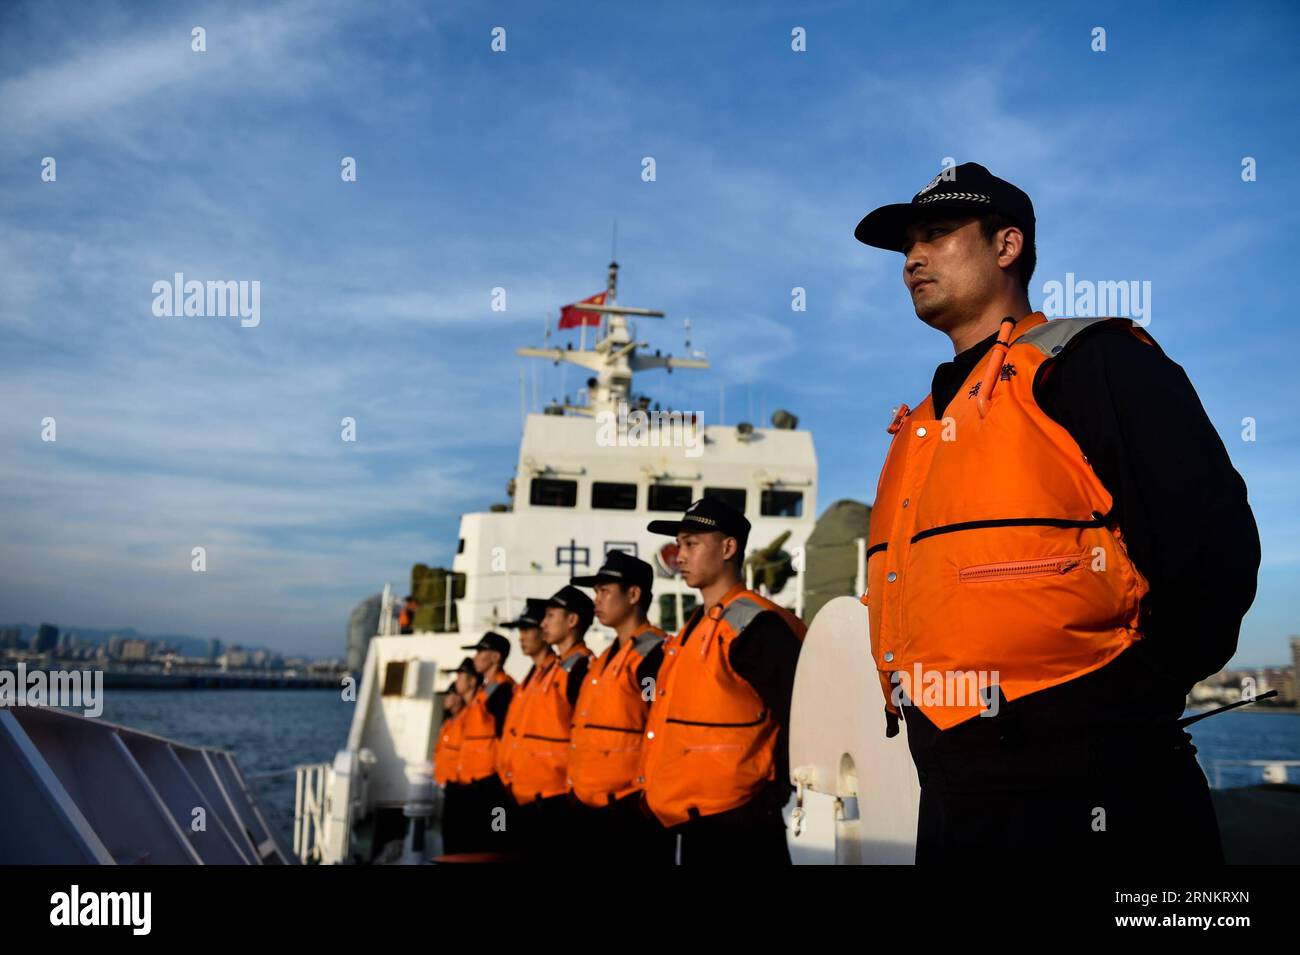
(535, 647)
(486, 799)
(610, 717)
(715, 760)
(446, 755)
(540, 766)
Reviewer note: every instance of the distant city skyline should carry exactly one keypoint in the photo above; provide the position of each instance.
(98, 636)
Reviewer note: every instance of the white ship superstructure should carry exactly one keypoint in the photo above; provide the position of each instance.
(589, 478)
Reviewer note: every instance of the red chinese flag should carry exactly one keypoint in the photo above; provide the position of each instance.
(572, 316)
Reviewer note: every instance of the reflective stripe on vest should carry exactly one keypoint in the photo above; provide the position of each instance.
(993, 556)
(539, 766)
(710, 743)
(609, 721)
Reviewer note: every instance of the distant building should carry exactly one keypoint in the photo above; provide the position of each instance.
(1228, 686)
(46, 639)
(362, 625)
(1295, 669)
(11, 638)
(235, 658)
(134, 650)
(214, 649)
(115, 646)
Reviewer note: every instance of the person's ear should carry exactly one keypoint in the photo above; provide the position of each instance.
(1010, 245)
(634, 595)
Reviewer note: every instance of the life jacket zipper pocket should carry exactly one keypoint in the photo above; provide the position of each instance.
(612, 729)
(1015, 569)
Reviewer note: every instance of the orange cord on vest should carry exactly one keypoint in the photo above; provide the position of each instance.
(994, 368)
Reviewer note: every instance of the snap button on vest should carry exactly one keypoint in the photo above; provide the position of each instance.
(889, 656)
(920, 432)
(892, 577)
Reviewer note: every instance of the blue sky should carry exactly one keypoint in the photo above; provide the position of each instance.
(478, 170)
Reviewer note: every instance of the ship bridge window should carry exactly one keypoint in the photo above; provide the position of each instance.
(782, 503)
(611, 496)
(731, 496)
(670, 497)
(394, 678)
(552, 492)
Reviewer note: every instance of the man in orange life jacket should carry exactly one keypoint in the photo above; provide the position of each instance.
(406, 619)
(715, 759)
(486, 800)
(540, 766)
(534, 646)
(446, 755)
(1060, 545)
(610, 718)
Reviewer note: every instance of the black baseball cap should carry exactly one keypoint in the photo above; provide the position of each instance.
(706, 514)
(465, 666)
(622, 568)
(531, 616)
(971, 190)
(573, 600)
(492, 641)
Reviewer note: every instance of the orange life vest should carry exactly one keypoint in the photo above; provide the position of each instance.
(710, 743)
(509, 742)
(404, 618)
(479, 733)
(610, 721)
(446, 754)
(539, 767)
(993, 555)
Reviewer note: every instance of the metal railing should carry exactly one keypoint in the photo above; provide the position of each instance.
(309, 811)
(1218, 765)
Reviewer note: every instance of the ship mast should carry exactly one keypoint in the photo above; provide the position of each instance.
(615, 355)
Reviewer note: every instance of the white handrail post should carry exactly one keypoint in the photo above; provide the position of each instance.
(386, 611)
(297, 813)
(801, 575)
(448, 594)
